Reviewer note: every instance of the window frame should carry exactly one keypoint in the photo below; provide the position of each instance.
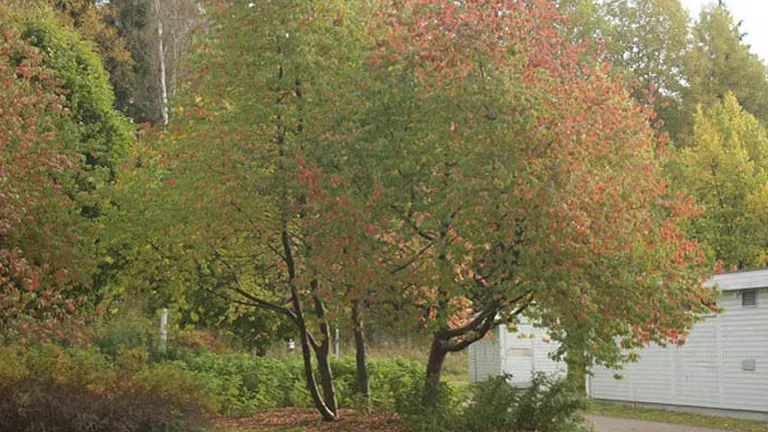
(750, 291)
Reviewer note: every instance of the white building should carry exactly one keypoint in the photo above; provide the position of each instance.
(519, 353)
(722, 368)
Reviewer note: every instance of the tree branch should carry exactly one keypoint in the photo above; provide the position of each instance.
(489, 311)
(407, 219)
(411, 260)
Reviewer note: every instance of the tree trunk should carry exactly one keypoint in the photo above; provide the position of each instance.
(436, 359)
(177, 35)
(329, 413)
(322, 353)
(326, 412)
(437, 354)
(363, 384)
(161, 59)
(577, 372)
(326, 376)
(325, 404)
(576, 360)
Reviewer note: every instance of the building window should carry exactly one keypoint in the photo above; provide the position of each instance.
(749, 298)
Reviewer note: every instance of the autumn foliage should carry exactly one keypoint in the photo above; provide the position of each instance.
(35, 241)
(534, 180)
(429, 164)
(366, 168)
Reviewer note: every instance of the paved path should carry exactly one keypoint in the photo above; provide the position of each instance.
(613, 424)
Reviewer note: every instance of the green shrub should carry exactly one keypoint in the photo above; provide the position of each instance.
(390, 376)
(50, 385)
(434, 410)
(128, 330)
(264, 383)
(298, 395)
(172, 380)
(387, 377)
(491, 404)
(34, 405)
(253, 383)
(548, 405)
(51, 388)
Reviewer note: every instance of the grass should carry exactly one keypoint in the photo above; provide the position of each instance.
(676, 417)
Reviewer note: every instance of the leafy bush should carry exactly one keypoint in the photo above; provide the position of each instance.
(387, 376)
(38, 405)
(200, 340)
(548, 405)
(85, 389)
(428, 411)
(129, 329)
(246, 384)
(50, 388)
(491, 405)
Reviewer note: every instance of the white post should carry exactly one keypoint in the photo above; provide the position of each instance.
(164, 331)
(161, 57)
(336, 350)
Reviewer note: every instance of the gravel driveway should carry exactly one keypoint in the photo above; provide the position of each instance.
(613, 424)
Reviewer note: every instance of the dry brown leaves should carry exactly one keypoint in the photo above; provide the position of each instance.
(309, 420)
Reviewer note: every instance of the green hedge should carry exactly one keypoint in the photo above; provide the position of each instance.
(247, 384)
(389, 378)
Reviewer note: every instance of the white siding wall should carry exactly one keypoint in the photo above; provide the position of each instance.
(529, 350)
(516, 353)
(707, 371)
(485, 358)
(543, 348)
(744, 336)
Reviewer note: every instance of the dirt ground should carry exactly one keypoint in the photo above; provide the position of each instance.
(306, 420)
(290, 419)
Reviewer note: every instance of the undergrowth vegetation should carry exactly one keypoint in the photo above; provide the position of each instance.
(55, 380)
(245, 384)
(549, 404)
(50, 387)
